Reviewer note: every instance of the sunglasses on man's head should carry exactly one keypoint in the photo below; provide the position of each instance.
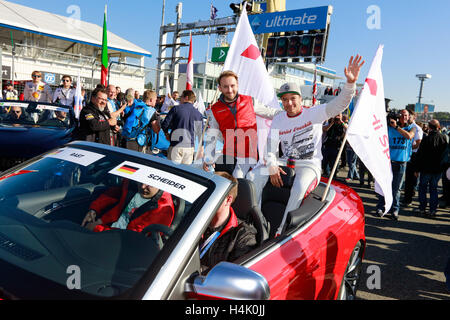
(36, 76)
(66, 80)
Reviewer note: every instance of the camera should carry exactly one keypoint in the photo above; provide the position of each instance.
(392, 115)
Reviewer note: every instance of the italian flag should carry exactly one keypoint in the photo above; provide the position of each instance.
(105, 60)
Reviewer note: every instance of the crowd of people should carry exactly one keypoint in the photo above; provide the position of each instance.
(309, 139)
(232, 117)
(419, 154)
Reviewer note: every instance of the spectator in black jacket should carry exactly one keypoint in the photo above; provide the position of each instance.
(429, 164)
(96, 122)
(334, 133)
(226, 238)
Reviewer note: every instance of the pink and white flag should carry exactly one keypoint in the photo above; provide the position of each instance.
(78, 100)
(244, 58)
(190, 68)
(368, 130)
(314, 91)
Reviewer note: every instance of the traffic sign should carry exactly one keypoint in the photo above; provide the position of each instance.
(219, 54)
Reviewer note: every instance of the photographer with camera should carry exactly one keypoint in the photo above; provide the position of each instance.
(334, 133)
(401, 136)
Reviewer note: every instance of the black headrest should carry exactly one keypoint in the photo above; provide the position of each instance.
(281, 195)
(245, 200)
(179, 207)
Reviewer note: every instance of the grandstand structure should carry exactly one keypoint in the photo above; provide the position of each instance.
(56, 45)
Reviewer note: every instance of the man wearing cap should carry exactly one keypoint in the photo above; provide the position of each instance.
(300, 132)
(10, 93)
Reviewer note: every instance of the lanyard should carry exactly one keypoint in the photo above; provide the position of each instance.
(207, 244)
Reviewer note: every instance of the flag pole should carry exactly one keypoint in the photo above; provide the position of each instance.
(13, 53)
(335, 166)
(200, 143)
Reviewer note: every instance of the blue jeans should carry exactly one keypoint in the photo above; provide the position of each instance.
(428, 180)
(351, 161)
(329, 154)
(398, 175)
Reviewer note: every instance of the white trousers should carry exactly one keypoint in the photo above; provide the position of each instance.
(243, 166)
(181, 155)
(304, 177)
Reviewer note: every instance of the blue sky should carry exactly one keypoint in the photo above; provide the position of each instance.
(415, 35)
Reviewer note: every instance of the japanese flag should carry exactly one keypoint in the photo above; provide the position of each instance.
(368, 131)
(244, 58)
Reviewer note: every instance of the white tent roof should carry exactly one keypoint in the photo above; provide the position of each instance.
(24, 18)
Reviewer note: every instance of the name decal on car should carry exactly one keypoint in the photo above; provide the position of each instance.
(174, 184)
(78, 156)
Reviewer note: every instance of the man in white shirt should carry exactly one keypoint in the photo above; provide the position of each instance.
(410, 178)
(299, 130)
(36, 90)
(170, 101)
(65, 95)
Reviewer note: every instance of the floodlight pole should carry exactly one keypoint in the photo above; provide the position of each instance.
(421, 88)
(422, 78)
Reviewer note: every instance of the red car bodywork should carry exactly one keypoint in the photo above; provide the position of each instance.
(312, 263)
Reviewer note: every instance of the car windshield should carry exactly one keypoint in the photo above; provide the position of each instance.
(139, 205)
(35, 114)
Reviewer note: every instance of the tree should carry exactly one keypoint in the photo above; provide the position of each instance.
(148, 86)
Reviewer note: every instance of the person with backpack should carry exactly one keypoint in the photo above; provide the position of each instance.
(138, 115)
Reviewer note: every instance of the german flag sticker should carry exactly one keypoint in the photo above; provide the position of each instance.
(128, 169)
(55, 152)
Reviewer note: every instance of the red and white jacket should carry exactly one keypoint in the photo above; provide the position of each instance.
(238, 131)
(116, 197)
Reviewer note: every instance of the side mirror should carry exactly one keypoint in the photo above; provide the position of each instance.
(229, 281)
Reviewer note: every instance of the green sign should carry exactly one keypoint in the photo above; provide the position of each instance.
(219, 54)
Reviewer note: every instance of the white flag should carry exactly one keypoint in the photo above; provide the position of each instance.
(200, 104)
(368, 131)
(78, 99)
(167, 88)
(168, 101)
(244, 58)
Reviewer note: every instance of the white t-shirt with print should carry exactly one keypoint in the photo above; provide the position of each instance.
(301, 135)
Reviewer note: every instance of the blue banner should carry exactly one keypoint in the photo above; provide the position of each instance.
(424, 108)
(289, 21)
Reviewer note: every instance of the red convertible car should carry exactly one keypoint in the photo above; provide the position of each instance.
(46, 251)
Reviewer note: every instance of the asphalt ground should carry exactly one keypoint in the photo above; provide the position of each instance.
(404, 259)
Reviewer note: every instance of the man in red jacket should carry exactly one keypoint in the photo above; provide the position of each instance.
(131, 211)
(233, 120)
